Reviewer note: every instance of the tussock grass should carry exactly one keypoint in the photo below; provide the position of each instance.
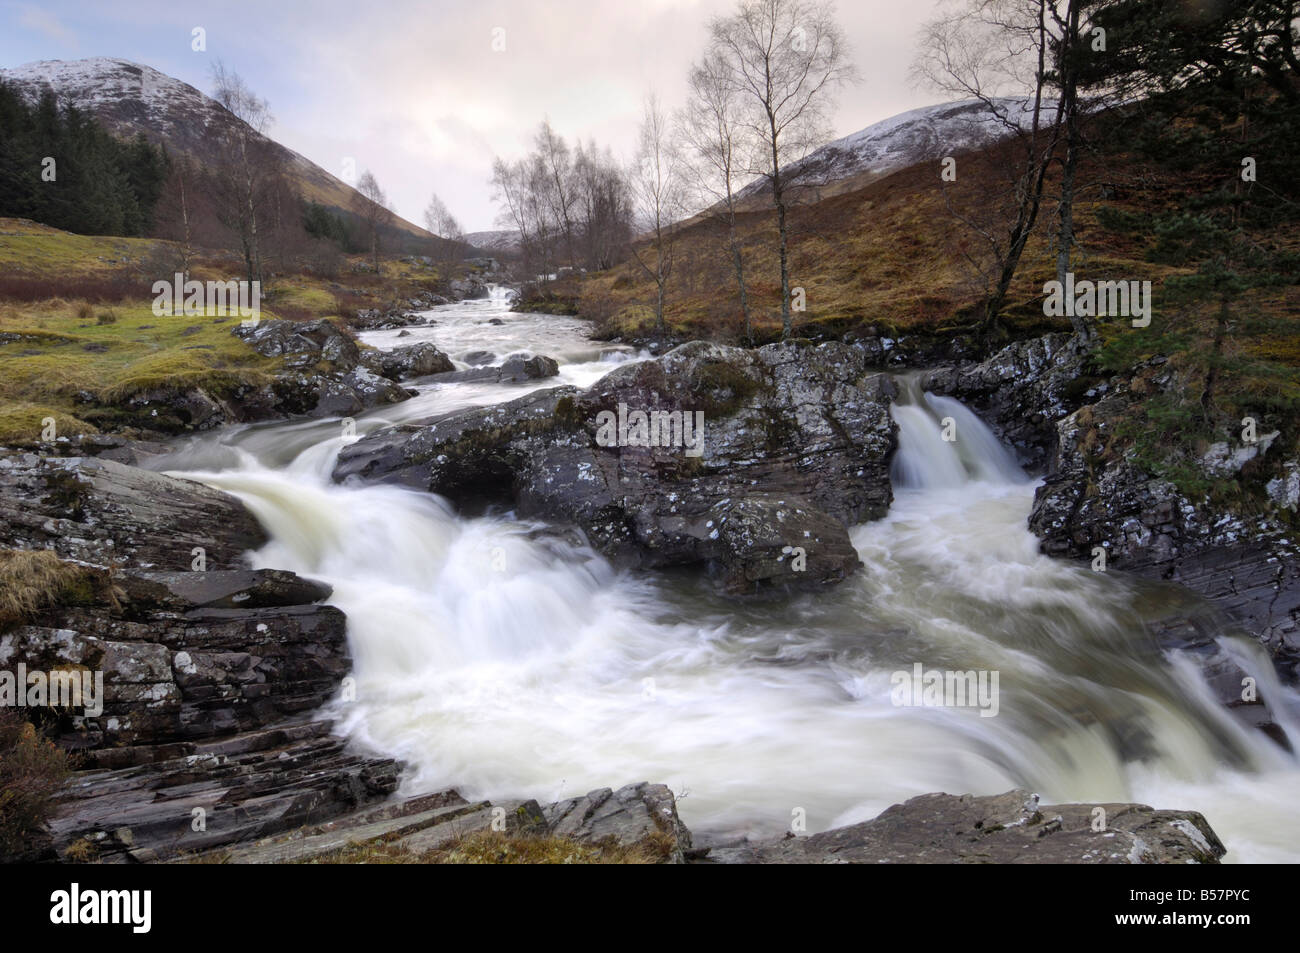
(33, 580)
(22, 424)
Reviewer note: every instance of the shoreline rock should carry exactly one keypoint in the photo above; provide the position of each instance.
(796, 448)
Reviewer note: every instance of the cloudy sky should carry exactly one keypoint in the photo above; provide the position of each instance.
(413, 89)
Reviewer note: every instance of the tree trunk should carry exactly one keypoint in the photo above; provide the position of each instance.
(778, 199)
(1070, 108)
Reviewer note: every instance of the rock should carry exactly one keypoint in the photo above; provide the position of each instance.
(1023, 391)
(1097, 497)
(520, 368)
(1011, 828)
(635, 815)
(189, 643)
(472, 287)
(1256, 585)
(631, 815)
(796, 447)
(373, 319)
(221, 589)
(478, 358)
(1285, 490)
(414, 360)
(187, 798)
(1224, 460)
(301, 343)
(102, 512)
(514, 370)
(173, 670)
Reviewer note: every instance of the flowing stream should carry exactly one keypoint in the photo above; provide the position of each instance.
(505, 660)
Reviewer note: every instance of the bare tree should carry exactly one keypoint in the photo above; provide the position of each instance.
(371, 206)
(509, 188)
(786, 57)
(176, 215)
(604, 205)
(657, 189)
(712, 129)
(1011, 56)
(439, 220)
(244, 163)
(557, 184)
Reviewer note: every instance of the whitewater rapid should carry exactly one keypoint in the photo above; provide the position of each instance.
(506, 658)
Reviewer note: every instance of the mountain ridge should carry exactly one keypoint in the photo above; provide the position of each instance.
(129, 98)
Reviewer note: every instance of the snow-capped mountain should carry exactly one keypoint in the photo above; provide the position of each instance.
(130, 98)
(930, 132)
(499, 240)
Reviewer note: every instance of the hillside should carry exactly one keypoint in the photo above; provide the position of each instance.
(130, 98)
(893, 144)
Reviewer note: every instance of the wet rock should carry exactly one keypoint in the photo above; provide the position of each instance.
(187, 798)
(100, 511)
(1023, 391)
(514, 370)
(1011, 828)
(373, 319)
(221, 589)
(795, 447)
(479, 358)
(414, 360)
(1099, 500)
(642, 815)
(631, 815)
(520, 368)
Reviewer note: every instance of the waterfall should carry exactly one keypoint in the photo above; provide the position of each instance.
(942, 443)
(506, 658)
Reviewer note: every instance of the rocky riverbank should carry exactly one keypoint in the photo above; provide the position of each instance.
(213, 740)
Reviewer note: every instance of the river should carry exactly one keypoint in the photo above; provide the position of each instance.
(505, 660)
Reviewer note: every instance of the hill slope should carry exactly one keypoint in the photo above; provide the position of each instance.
(130, 98)
(893, 144)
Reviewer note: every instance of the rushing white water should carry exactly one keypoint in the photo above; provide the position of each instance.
(506, 659)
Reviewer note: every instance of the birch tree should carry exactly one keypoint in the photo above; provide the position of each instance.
(786, 58)
(712, 130)
(656, 180)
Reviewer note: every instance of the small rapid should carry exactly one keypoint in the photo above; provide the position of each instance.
(506, 658)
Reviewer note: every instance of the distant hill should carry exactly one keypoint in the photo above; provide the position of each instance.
(500, 240)
(885, 147)
(130, 98)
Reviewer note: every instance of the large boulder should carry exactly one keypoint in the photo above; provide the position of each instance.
(414, 360)
(794, 447)
(1011, 828)
(515, 369)
(99, 511)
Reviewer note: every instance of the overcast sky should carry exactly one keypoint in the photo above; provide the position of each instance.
(414, 91)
